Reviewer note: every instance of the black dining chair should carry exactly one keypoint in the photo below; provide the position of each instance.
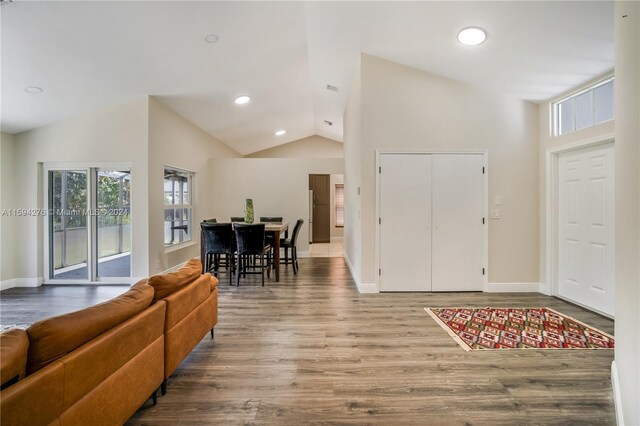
(291, 243)
(251, 245)
(237, 219)
(212, 220)
(269, 238)
(271, 219)
(219, 240)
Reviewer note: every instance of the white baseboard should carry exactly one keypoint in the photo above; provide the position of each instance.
(350, 266)
(617, 397)
(545, 288)
(21, 282)
(7, 284)
(367, 288)
(301, 254)
(513, 287)
(336, 239)
(362, 287)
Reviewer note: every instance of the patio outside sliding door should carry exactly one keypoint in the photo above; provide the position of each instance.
(114, 223)
(89, 225)
(68, 224)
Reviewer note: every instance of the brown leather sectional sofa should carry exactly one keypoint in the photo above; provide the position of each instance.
(97, 366)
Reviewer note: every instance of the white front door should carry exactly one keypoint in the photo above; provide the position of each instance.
(405, 222)
(458, 226)
(586, 227)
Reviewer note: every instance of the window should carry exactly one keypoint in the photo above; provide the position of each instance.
(178, 209)
(339, 205)
(591, 106)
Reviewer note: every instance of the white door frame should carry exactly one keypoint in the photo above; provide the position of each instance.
(551, 214)
(91, 227)
(485, 233)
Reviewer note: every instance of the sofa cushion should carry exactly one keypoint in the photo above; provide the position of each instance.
(13, 353)
(165, 284)
(54, 337)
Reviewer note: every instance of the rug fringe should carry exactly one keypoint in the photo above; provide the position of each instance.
(464, 345)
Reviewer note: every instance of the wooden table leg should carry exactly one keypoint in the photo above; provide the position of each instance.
(276, 254)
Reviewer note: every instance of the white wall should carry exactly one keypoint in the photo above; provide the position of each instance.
(277, 186)
(8, 188)
(627, 157)
(311, 147)
(352, 120)
(175, 141)
(116, 134)
(333, 181)
(407, 109)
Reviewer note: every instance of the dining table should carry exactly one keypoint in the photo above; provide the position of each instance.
(275, 229)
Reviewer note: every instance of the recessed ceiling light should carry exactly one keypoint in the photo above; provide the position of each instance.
(280, 132)
(472, 36)
(328, 123)
(332, 88)
(33, 90)
(211, 38)
(242, 99)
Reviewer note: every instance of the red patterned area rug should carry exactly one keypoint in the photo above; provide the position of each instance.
(518, 328)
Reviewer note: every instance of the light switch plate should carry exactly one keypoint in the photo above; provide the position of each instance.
(495, 213)
(498, 200)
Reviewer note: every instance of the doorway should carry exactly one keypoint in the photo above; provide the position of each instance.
(585, 227)
(89, 224)
(320, 206)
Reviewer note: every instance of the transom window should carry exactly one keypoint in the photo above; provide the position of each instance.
(178, 209)
(591, 106)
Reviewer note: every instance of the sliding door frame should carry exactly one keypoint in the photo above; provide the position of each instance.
(485, 231)
(92, 223)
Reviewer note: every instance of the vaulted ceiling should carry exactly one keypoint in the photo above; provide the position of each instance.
(88, 55)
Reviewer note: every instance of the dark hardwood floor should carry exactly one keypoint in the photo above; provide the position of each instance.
(312, 350)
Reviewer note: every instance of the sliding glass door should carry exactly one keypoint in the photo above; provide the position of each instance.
(114, 223)
(89, 224)
(68, 232)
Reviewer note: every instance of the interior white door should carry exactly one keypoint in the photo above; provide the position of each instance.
(458, 211)
(586, 228)
(405, 222)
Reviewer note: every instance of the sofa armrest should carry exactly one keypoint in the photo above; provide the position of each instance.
(184, 301)
(14, 345)
(214, 282)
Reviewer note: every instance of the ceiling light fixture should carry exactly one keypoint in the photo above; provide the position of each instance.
(240, 100)
(328, 123)
(211, 38)
(472, 36)
(280, 132)
(34, 90)
(332, 88)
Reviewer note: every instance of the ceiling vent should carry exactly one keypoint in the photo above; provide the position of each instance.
(332, 88)
(328, 123)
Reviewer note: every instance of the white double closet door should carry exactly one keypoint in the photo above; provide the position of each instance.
(431, 222)
(586, 227)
